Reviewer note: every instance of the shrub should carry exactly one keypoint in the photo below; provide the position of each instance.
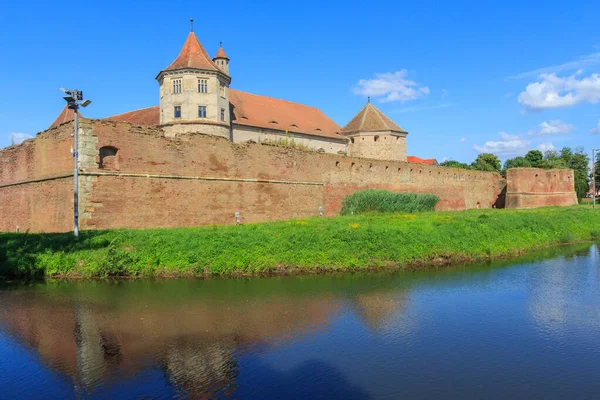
(595, 234)
(371, 200)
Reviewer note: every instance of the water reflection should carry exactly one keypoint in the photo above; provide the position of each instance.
(349, 336)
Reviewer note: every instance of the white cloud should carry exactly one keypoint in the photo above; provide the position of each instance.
(585, 61)
(596, 130)
(18, 138)
(543, 147)
(552, 91)
(508, 145)
(463, 139)
(553, 127)
(391, 87)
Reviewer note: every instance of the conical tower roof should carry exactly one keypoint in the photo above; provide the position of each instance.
(193, 55)
(370, 119)
(221, 53)
(66, 115)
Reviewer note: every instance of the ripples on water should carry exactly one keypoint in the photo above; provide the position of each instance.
(514, 329)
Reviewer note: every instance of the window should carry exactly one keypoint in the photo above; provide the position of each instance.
(222, 90)
(108, 158)
(176, 85)
(222, 114)
(201, 111)
(177, 112)
(202, 86)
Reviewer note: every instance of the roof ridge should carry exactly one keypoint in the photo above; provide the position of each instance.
(137, 109)
(276, 98)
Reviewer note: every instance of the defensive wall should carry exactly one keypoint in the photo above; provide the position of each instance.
(135, 176)
(533, 187)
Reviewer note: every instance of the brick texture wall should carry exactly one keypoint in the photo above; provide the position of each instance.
(192, 179)
(533, 187)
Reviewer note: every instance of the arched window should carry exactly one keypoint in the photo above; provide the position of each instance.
(108, 158)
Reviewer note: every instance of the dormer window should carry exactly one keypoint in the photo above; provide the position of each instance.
(202, 86)
(273, 122)
(176, 85)
(318, 129)
(294, 125)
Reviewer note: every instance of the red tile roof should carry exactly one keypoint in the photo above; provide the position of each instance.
(66, 115)
(370, 119)
(193, 55)
(149, 116)
(256, 111)
(221, 53)
(415, 159)
(270, 113)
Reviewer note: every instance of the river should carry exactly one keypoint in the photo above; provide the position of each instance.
(524, 328)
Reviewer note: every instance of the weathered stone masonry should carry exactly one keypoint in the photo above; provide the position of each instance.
(192, 179)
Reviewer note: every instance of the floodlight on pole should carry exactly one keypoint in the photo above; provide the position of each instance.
(74, 99)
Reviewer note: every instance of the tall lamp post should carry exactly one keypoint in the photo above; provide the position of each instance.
(74, 99)
(594, 177)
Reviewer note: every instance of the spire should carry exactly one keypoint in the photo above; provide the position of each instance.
(191, 24)
(221, 52)
(370, 119)
(192, 55)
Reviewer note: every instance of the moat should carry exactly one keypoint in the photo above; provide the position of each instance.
(524, 328)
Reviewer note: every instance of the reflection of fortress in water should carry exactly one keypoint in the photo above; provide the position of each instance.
(109, 335)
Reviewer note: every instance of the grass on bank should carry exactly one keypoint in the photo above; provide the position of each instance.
(373, 200)
(347, 242)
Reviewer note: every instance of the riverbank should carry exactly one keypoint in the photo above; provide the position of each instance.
(307, 245)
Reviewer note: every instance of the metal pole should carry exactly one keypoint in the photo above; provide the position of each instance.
(76, 173)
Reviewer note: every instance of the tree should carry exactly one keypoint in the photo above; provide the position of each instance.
(486, 162)
(454, 164)
(517, 162)
(534, 157)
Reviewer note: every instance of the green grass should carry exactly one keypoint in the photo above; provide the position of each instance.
(371, 200)
(340, 243)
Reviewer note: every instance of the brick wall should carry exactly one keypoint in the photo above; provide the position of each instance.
(45, 201)
(192, 179)
(533, 187)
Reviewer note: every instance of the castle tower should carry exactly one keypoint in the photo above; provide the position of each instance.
(222, 60)
(373, 135)
(194, 92)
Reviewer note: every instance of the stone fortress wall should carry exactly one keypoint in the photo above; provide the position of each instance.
(147, 179)
(533, 187)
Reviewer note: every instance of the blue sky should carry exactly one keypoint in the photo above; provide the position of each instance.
(460, 77)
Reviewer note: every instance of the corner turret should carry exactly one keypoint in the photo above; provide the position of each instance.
(373, 135)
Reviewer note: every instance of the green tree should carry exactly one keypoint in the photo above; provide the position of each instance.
(517, 162)
(454, 164)
(487, 162)
(534, 157)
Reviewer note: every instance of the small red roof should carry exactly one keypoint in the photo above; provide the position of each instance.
(149, 116)
(193, 55)
(221, 54)
(66, 115)
(418, 160)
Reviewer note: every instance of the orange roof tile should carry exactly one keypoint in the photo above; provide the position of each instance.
(256, 111)
(149, 116)
(221, 54)
(270, 113)
(193, 55)
(418, 160)
(66, 115)
(370, 119)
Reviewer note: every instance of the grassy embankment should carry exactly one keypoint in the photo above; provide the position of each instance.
(348, 242)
